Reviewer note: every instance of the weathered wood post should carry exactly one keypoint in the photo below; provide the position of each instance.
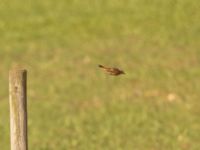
(18, 109)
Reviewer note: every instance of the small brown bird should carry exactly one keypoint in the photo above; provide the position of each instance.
(112, 71)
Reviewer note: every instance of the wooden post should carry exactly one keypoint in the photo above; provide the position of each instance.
(18, 109)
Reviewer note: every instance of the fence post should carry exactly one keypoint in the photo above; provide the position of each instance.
(18, 109)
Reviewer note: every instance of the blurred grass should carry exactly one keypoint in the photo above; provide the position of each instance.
(72, 104)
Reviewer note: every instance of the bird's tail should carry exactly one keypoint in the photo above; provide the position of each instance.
(101, 66)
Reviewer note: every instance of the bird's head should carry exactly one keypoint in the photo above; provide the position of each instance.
(122, 72)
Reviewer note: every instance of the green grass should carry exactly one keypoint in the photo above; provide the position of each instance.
(72, 104)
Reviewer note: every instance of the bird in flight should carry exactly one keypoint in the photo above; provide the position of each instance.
(112, 71)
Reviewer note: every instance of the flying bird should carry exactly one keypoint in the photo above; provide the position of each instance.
(112, 71)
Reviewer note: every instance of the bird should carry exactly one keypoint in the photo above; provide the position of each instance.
(112, 71)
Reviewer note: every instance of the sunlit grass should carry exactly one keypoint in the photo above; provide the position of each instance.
(72, 104)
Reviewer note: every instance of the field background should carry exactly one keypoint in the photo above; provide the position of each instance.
(72, 104)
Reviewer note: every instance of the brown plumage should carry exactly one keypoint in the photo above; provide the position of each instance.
(112, 71)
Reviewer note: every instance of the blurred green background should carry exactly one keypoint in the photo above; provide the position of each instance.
(72, 104)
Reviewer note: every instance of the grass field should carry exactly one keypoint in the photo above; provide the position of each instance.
(72, 105)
